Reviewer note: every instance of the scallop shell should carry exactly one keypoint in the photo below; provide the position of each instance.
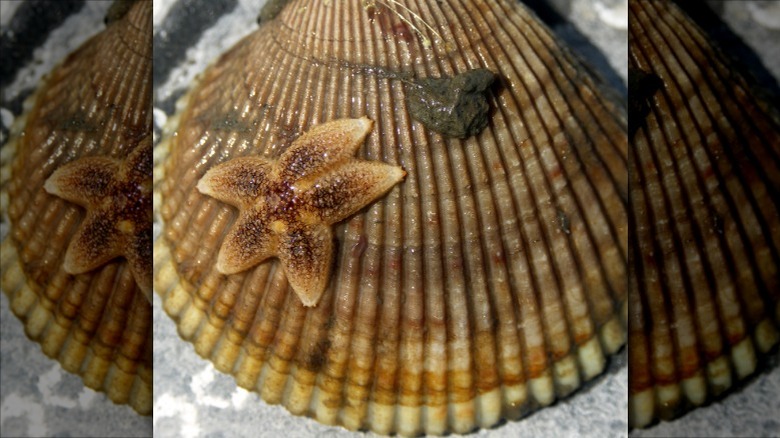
(94, 105)
(487, 284)
(704, 303)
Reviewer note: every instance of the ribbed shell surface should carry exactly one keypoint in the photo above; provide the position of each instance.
(487, 283)
(705, 203)
(95, 103)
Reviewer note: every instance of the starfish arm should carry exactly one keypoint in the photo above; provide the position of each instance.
(139, 164)
(248, 243)
(95, 243)
(287, 206)
(306, 254)
(83, 181)
(139, 258)
(341, 193)
(237, 182)
(323, 146)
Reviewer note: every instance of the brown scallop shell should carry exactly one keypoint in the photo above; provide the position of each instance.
(489, 282)
(704, 302)
(96, 103)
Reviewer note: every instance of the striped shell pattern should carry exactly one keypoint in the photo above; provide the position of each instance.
(79, 290)
(705, 194)
(488, 283)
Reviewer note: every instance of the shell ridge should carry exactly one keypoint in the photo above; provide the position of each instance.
(413, 276)
(268, 113)
(286, 340)
(319, 357)
(362, 353)
(372, 268)
(258, 321)
(724, 106)
(135, 321)
(414, 389)
(406, 239)
(682, 314)
(687, 360)
(450, 257)
(295, 90)
(742, 231)
(379, 396)
(273, 303)
(350, 282)
(610, 177)
(428, 241)
(180, 243)
(738, 281)
(459, 286)
(523, 233)
(555, 268)
(134, 32)
(652, 225)
(755, 135)
(332, 373)
(494, 249)
(605, 276)
(252, 296)
(568, 79)
(464, 373)
(485, 372)
(84, 297)
(430, 33)
(56, 347)
(319, 98)
(585, 86)
(514, 300)
(711, 258)
(32, 233)
(739, 91)
(572, 252)
(225, 359)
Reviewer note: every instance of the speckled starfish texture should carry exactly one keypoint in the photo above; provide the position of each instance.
(287, 206)
(117, 195)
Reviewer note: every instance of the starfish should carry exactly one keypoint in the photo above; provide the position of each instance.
(117, 195)
(287, 206)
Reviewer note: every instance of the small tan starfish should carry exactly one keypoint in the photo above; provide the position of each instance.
(287, 206)
(117, 195)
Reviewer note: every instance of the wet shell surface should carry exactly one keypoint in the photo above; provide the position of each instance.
(704, 304)
(77, 259)
(486, 284)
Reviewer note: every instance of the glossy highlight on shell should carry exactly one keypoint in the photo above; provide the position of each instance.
(486, 284)
(704, 303)
(79, 183)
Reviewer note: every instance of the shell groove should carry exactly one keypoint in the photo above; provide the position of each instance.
(488, 283)
(705, 198)
(95, 103)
